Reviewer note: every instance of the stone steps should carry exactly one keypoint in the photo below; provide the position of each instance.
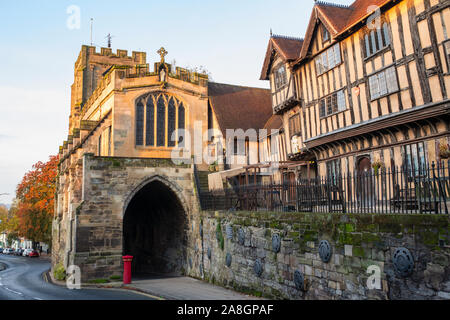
(203, 180)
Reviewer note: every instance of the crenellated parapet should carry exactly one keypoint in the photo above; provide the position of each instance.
(162, 73)
(77, 138)
(107, 56)
(182, 74)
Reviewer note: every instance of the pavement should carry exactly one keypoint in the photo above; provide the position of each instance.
(162, 287)
(184, 288)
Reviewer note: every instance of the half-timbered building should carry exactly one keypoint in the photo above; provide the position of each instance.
(369, 87)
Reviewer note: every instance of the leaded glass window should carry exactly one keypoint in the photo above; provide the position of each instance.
(156, 120)
(377, 40)
(280, 77)
(181, 121)
(332, 104)
(414, 159)
(140, 124)
(383, 83)
(150, 120)
(329, 59)
(161, 122)
(171, 122)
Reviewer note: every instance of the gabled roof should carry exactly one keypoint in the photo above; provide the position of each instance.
(275, 122)
(239, 107)
(360, 8)
(334, 16)
(288, 49)
(337, 18)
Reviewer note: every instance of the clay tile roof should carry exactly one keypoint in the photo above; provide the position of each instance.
(287, 47)
(338, 18)
(275, 122)
(359, 10)
(341, 17)
(239, 107)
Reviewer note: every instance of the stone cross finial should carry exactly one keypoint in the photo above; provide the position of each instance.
(162, 52)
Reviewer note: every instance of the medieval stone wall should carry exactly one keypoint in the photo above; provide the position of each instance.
(357, 242)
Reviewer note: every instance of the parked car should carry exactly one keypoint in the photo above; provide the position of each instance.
(26, 252)
(18, 252)
(34, 254)
(7, 251)
(1, 250)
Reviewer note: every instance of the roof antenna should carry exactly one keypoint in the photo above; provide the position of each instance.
(271, 32)
(92, 25)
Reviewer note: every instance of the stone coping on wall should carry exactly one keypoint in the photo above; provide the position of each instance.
(126, 162)
(393, 223)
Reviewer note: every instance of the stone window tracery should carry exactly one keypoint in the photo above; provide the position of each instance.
(163, 115)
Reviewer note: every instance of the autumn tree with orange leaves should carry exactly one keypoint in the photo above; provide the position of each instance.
(35, 196)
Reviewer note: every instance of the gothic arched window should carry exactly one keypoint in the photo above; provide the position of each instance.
(163, 114)
(139, 124)
(181, 120)
(161, 122)
(150, 120)
(171, 122)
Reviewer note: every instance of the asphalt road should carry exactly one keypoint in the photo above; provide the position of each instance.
(23, 280)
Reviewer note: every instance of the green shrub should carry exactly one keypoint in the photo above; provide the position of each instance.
(59, 272)
(115, 277)
(99, 281)
(219, 235)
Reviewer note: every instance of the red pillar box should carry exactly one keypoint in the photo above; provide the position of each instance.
(127, 269)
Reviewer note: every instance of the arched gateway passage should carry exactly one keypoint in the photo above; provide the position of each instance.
(154, 230)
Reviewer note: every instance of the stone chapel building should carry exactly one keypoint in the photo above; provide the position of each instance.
(119, 192)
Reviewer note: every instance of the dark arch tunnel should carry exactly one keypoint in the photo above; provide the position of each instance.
(154, 234)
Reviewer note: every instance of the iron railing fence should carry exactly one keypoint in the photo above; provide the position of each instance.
(425, 189)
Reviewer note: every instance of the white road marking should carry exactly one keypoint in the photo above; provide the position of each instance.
(19, 293)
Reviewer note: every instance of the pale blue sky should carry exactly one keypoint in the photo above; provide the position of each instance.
(38, 50)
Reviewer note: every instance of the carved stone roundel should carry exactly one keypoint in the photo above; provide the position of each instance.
(241, 236)
(276, 243)
(228, 260)
(403, 262)
(299, 280)
(325, 251)
(258, 267)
